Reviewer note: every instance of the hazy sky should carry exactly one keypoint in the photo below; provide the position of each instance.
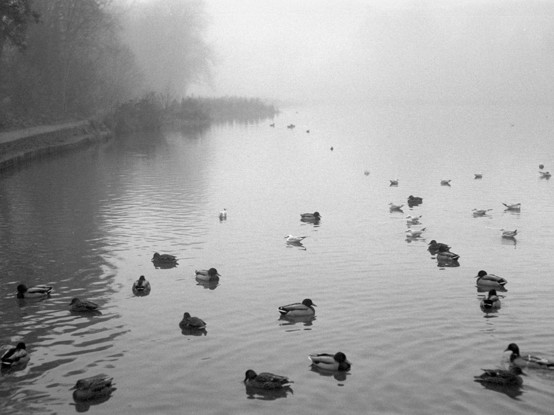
(399, 50)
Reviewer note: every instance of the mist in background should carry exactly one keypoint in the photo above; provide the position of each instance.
(482, 51)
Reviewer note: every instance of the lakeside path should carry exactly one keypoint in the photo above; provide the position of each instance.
(19, 146)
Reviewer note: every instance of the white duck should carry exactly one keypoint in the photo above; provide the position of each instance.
(291, 239)
(415, 233)
(509, 234)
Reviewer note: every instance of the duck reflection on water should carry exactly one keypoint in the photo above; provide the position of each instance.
(307, 321)
(340, 376)
(209, 285)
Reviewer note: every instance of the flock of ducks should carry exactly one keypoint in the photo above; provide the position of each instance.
(510, 377)
(100, 387)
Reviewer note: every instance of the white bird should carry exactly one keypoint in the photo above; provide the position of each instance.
(413, 220)
(294, 239)
(509, 234)
(480, 212)
(395, 207)
(413, 233)
(512, 206)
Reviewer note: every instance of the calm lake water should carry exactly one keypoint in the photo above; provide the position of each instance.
(88, 223)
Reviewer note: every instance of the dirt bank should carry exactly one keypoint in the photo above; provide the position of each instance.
(19, 146)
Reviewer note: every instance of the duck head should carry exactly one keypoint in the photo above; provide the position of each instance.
(512, 347)
(250, 374)
(308, 303)
(212, 272)
(22, 288)
(481, 274)
(343, 362)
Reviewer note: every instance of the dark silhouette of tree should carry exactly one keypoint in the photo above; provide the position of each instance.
(15, 16)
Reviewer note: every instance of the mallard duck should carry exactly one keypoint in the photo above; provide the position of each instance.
(93, 387)
(189, 322)
(394, 182)
(504, 377)
(33, 292)
(508, 234)
(478, 176)
(310, 216)
(166, 258)
(415, 233)
(207, 274)
(445, 182)
(489, 280)
(326, 361)
(480, 212)
(415, 199)
(413, 220)
(447, 256)
(545, 174)
(305, 308)
(392, 207)
(294, 239)
(531, 361)
(141, 285)
(513, 206)
(435, 247)
(82, 305)
(223, 214)
(14, 354)
(265, 380)
(491, 301)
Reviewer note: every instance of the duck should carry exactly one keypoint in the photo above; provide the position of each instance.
(512, 206)
(93, 387)
(510, 377)
(413, 233)
(265, 380)
(164, 258)
(545, 174)
(207, 274)
(82, 305)
(531, 361)
(478, 175)
(489, 280)
(189, 322)
(414, 200)
(445, 182)
(326, 361)
(447, 256)
(480, 212)
(366, 172)
(394, 182)
(305, 308)
(435, 247)
(508, 234)
(14, 354)
(393, 207)
(541, 166)
(491, 302)
(294, 239)
(141, 285)
(223, 214)
(37, 291)
(310, 216)
(413, 220)
(331, 148)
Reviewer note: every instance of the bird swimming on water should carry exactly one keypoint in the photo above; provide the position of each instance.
(305, 308)
(93, 387)
(327, 361)
(14, 354)
(207, 274)
(491, 301)
(265, 380)
(190, 322)
(141, 286)
(528, 360)
(36, 291)
(510, 377)
(82, 305)
(490, 280)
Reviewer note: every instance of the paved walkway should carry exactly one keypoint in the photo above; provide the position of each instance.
(14, 135)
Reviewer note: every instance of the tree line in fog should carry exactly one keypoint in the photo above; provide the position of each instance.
(73, 59)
